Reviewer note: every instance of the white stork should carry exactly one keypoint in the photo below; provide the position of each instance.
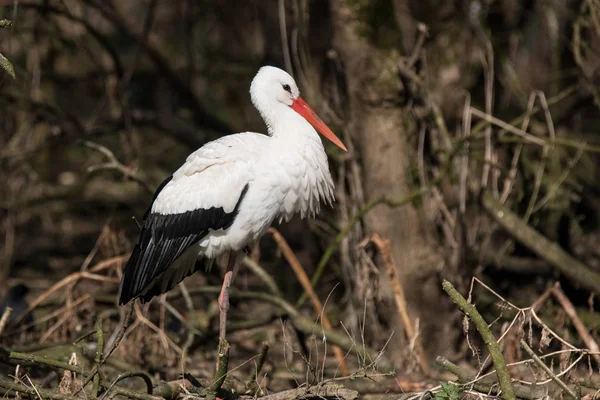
(229, 191)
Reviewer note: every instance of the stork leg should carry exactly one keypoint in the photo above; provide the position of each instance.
(224, 296)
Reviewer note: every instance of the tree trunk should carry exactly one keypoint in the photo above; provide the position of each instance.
(379, 129)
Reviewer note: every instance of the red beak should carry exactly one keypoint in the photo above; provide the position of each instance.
(300, 106)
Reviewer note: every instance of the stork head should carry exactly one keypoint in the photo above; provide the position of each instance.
(272, 88)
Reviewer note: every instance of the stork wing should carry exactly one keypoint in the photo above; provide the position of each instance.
(204, 194)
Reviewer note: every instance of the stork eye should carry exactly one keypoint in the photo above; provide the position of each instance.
(287, 88)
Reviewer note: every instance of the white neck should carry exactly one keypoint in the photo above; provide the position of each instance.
(283, 123)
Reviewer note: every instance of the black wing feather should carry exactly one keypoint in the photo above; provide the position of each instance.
(163, 239)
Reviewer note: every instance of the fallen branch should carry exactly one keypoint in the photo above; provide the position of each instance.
(539, 244)
(6, 355)
(488, 338)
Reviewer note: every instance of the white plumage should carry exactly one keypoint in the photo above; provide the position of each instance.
(229, 192)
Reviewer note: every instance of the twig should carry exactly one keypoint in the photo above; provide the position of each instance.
(5, 318)
(539, 362)
(508, 127)
(512, 123)
(512, 173)
(544, 248)
(147, 380)
(488, 338)
(553, 189)
(252, 387)
(189, 339)
(98, 358)
(129, 393)
(581, 329)
(114, 163)
(39, 359)
(71, 278)
(308, 288)
(221, 371)
(438, 117)
(416, 51)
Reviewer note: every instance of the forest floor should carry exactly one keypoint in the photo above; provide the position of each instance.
(169, 348)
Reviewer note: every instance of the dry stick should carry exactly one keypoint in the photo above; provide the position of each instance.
(544, 248)
(252, 386)
(189, 339)
(577, 323)
(4, 319)
(539, 362)
(90, 274)
(39, 359)
(221, 370)
(385, 248)
(488, 338)
(147, 380)
(115, 164)
(308, 288)
(508, 127)
(98, 358)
